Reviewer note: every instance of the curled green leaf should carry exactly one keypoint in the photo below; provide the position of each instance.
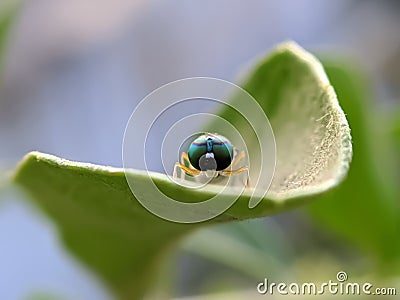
(101, 222)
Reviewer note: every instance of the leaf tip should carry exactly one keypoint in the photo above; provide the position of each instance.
(292, 48)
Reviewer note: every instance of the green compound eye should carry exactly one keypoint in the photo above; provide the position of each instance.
(210, 152)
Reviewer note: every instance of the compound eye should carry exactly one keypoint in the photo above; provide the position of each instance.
(197, 149)
(223, 152)
(210, 152)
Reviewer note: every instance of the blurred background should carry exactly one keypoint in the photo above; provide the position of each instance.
(73, 71)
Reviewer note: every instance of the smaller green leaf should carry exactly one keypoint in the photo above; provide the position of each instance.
(7, 15)
(364, 209)
(396, 131)
(396, 140)
(253, 247)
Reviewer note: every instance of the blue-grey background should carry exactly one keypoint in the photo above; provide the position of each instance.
(75, 70)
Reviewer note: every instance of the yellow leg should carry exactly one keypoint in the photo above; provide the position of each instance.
(185, 159)
(185, 169)
(238, 171)
(237, 159)
(186, 162)
(234, 172)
